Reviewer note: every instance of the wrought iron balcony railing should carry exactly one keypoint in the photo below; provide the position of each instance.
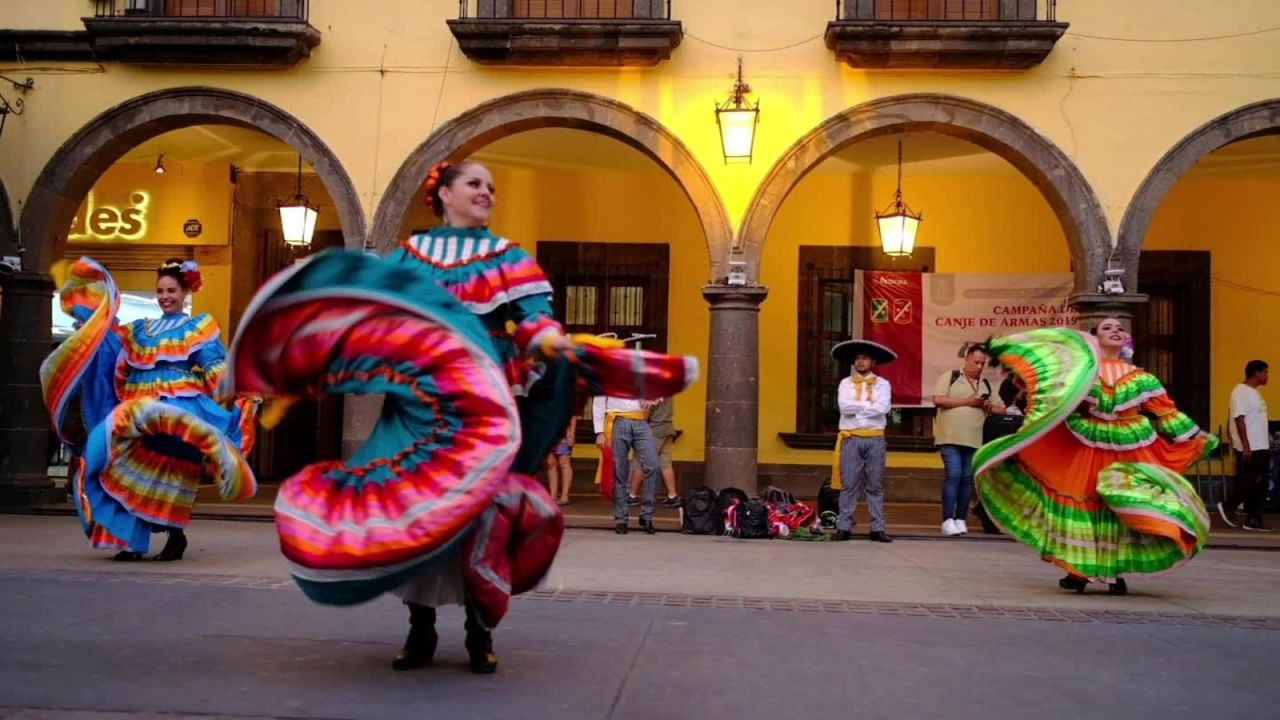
(565, 10)
(961, 11)
(287, 10)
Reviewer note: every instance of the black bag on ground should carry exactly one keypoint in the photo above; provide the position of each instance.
(700, 516)
(828, 499)
(724, 500)
(753, 521)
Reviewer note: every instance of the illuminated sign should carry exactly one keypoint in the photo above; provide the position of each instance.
(109, 222)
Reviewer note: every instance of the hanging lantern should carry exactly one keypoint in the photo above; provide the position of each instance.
(898, 225)
(298, 216)
(737, 120)
(159, 169)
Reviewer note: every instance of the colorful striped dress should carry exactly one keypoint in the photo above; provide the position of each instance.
(502, 285)
(1092, 480)
(144, 396)
(432, 502)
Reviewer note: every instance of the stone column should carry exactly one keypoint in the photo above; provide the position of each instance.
(733, 386)
(25, 432)
(1094, 308)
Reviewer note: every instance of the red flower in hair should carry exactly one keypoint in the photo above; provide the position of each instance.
(433, 177)
(191, 276)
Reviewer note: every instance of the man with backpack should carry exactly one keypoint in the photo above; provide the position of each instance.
(864, 400)
(964, 399)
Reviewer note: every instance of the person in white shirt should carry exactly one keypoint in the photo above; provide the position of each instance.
(622, 426)
(864, 400)
(1251, 442)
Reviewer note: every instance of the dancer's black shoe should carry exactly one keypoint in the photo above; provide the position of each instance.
(483, 660)
(1073, 582)
(420, 647)
(174, 547)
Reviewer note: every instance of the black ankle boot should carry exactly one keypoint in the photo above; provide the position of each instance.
(174, 547)
(479, 644)
(1073, 582)
(127, 556)
(1119, 587)
(420, 647)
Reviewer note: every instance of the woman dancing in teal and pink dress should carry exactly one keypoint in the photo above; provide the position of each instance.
(455, 329)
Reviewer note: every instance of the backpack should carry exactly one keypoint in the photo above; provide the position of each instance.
(828, 502)
(955, 375)
(778, 496)
(750, 520)
(699, 510)
(724, 500)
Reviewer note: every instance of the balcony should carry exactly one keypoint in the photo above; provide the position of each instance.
(944, 34)
(583, 33)
(202, 32)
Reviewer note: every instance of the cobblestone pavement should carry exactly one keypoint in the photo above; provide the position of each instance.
(645, 627)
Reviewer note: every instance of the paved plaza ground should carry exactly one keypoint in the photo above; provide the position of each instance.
(666, 626)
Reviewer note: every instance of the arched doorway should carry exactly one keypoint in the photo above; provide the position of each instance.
(589, 172)
(1260, 118)
(1062, 184)
(556, 108)
(51, 221)
(1197, 238)
(71, 172)
(1008, 200)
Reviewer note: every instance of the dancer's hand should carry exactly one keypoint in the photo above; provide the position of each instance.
(600, 440)
(556, 344)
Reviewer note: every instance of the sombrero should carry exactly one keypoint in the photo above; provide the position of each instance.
(845, 351)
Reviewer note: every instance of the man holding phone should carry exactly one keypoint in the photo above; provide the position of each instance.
(964, 399)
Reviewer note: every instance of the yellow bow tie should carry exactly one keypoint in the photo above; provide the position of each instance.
(863, 386)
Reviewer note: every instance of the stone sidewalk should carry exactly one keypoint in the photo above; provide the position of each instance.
(601, 567)
(906, 520)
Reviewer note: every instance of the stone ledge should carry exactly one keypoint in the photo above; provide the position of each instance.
(584, 43)
(21, 45)
(945, 45)
(230, 41)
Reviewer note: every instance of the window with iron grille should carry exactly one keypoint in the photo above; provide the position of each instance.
(607, 287)
(826, 319)
(581, 305)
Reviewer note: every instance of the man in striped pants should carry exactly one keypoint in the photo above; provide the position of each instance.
(864, 400)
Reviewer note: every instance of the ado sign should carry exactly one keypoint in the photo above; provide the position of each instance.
(108, 222)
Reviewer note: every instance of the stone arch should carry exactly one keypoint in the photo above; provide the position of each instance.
(71, 172)
(558, 108)
(1035, 156)
(1260, 118)
(7, 228)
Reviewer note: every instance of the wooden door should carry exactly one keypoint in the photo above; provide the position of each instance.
(312, 431)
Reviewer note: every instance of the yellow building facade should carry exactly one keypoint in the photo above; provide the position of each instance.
(1143, 133)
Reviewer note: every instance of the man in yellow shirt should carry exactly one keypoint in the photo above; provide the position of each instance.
(963, 398)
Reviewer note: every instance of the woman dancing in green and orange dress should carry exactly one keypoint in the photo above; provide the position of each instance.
(1093, 479)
